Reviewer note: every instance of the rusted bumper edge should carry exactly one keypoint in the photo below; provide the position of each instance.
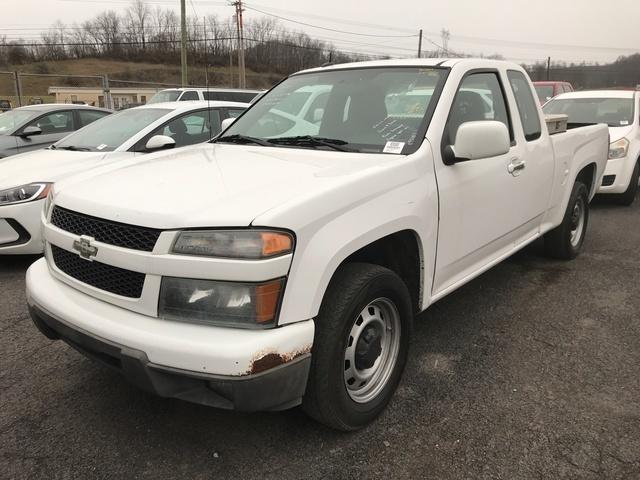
(277, 388)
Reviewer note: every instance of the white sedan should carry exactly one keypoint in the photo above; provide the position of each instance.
(620, 109)
(25, 180)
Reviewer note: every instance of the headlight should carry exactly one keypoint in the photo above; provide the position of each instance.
(619, 148)
(48, 202)
(243, 244)
(247, 305)
(24, 193)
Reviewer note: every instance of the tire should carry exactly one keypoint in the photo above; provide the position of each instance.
(330, 398)
(565, 241)
(629, 195)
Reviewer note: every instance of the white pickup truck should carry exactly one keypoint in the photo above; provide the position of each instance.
(263, 271)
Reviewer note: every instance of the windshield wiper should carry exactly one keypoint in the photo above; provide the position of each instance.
(243, 140)
(73, 148)
(310, 140)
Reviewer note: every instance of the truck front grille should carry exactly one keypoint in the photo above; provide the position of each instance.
(105, 231)
(99, 275)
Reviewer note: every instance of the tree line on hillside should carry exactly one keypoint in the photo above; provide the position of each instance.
(146, 34)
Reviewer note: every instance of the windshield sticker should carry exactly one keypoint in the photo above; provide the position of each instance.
(100, 147)
(393, 147)
(624, 122)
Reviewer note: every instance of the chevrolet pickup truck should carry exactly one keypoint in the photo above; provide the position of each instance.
(262, 271)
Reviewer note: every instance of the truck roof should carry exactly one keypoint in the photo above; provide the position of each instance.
(413, 62)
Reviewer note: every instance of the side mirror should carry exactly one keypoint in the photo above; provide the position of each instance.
(318, 113)
(31, 131)
(159, 142)
(226, 123)
(476, 140)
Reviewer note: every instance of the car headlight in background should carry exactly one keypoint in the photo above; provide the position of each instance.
(25, 193)
(619, 148)
(241, 244)
(210, 302)
(48, 202)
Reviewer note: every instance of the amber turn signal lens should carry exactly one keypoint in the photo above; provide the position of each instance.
(267, 299)
(275, 243)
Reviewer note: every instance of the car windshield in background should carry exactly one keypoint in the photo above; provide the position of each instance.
(615, 112)
(108, 133)
(545, 92)
(374, 110)
(165, 96)
(13, 119)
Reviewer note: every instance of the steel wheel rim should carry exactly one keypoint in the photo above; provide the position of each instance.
(577, 222)
(364, 377)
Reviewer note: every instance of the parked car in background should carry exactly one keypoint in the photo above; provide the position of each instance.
(265, 270)
(26, 179)
(620, 110)
(37, 126)
(5, 105)
(546, 90)
(218, 94)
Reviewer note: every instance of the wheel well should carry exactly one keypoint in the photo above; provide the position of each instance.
(400, 253)
(587, 176)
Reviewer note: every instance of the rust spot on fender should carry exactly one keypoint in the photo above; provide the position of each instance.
(268, 360)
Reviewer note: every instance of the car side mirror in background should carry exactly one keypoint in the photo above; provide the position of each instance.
(476, 140)
(159, 142)
(31, 131)
(226, 123)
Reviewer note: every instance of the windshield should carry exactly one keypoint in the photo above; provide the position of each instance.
(615, 112)
(108, 133)
(374, 110)
(165, 96)
(13, 119)
(545, 92)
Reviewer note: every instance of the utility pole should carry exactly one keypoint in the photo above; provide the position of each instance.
(548, 68)
(444, 34)
(183, 42)
(242, 80)
(420, 44)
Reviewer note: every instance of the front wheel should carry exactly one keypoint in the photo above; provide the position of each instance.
(565, 241)
(360, 347)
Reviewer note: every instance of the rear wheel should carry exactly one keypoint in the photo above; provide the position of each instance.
(629, 195)
(360, 347)
(565, 241)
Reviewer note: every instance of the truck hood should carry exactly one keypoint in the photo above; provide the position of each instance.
(616, 133)
(49, 165)
(210, 185)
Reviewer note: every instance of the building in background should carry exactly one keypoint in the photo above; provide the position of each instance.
(120, 96)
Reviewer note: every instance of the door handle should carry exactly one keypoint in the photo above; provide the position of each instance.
(516, 166)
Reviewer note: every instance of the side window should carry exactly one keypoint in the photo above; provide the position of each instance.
(527, 107)
(88, 116)
(234, 112)
(56, 122)
(480, 97)
(189, 95)
(194, 127)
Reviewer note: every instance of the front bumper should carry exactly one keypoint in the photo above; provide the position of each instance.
(168, 355)
(279, 388)
(20, 228)
(622, 169)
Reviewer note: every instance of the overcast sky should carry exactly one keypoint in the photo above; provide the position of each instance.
(524, 31)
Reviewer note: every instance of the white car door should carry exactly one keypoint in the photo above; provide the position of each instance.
(483, 211)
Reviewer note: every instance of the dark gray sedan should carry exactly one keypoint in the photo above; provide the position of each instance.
(38, 126)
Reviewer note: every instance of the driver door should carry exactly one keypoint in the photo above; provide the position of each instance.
(480, 200)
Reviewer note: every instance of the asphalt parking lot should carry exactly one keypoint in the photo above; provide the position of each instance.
(530, 371)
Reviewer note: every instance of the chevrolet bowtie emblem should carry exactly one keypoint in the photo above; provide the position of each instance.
(84, 247)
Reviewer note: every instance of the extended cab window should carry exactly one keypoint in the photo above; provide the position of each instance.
(480, 97)
(527, 107)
